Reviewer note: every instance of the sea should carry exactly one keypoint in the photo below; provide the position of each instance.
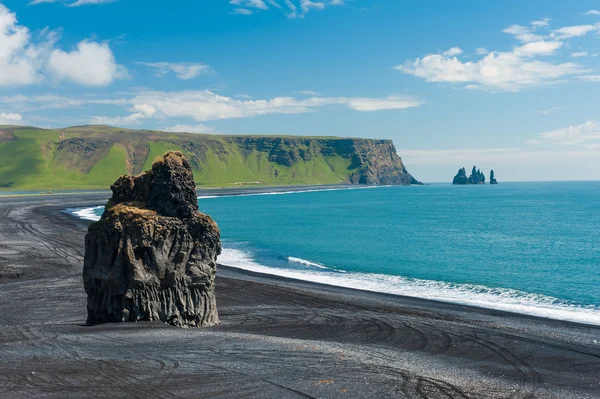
(529, 248)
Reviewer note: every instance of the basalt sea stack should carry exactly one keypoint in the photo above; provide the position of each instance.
(152, 255)
(476, 177)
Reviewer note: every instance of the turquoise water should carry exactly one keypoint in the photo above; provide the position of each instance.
(525, 247)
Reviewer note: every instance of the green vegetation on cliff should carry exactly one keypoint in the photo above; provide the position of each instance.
(92, 157)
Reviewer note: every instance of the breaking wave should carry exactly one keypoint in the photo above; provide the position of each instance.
(308, 263)
(504, 299)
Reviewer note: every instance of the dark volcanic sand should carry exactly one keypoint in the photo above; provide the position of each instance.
(278, 338)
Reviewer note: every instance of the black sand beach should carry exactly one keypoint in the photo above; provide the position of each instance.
(278, 338)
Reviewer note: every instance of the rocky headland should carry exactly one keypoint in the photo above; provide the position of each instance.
(476, 177)
(93, 157)
(153, 255)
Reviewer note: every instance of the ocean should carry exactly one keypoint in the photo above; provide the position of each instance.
(530, 248)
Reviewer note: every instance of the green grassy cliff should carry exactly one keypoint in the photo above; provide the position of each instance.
(92, 157)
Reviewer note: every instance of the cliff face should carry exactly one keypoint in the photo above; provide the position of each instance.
(94, 156)
(152, 255)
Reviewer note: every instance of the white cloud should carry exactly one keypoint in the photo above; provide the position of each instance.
(528, 34)
(579, 54)
(200, 128)
(589, 131)
(260, 4)
(91, 64)
(569, 32)
(307, 5)
(202, 106)
(550, 110)
(73, 3)
(502, 71)
(183, 70)
(10, 119)
(458, 156)
(593, 12)
(537, 48)
(21, 103)
(241, 11)
(132, 119)
(24, 61)
(79, 3)
(590, 78)
(508, 70)
(380, 104)
(21, 60)
(523, 33)
(291, 8)
(309, 93)
(540, 23)
(453, 51)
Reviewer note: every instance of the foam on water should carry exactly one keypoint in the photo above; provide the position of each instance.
(87, 213)
(465, 294)
(308, 263)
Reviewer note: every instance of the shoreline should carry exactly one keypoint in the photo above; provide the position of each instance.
(561, 311)
(278, 337)
(216, 191)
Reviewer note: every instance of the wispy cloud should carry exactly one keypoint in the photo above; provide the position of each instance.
(568, 32)
(541, 22)
(577, 134)
(202, 106)
(589, 78)
(593, 12)
(73, 3)
(291, 8)
(241, 11)
(308, 93)
(182, 70)
(579, 54)
(199, 129)
(550, 110)
(79, 3)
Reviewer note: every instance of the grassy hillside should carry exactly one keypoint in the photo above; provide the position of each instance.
(92, 157)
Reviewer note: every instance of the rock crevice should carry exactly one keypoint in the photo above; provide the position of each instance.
(153, 255)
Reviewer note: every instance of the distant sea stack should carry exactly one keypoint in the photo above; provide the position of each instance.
(493, 178)
(153, 255)
(477, 177)
(461, 177)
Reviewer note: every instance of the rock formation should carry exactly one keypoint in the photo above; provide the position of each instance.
(461, 177)
(152, 255)
(477, 177)
(493, 178)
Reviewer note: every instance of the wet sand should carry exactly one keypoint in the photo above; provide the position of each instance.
(278, 338)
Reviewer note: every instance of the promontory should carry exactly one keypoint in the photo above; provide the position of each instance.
(93, 157)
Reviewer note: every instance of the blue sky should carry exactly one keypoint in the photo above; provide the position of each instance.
(508, 85)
